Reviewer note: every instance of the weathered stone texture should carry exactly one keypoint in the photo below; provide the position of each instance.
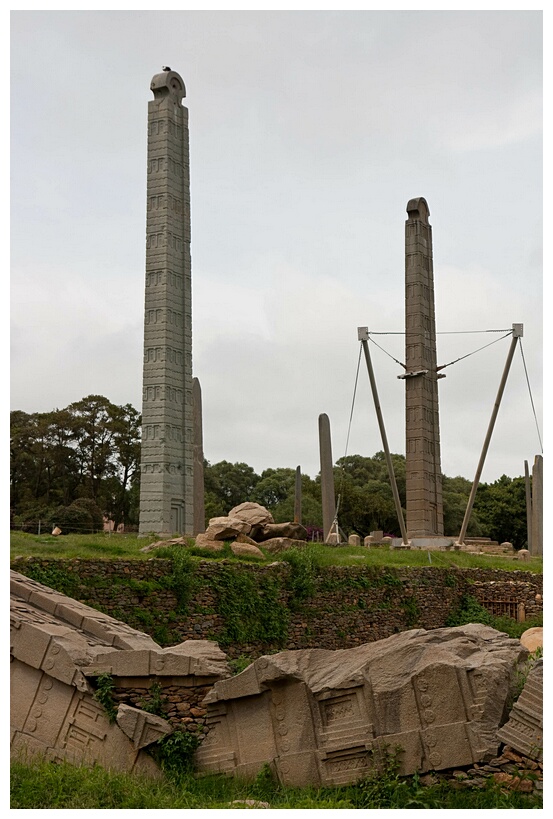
(424, 504)
(327, 475)
(524, 729)
(59, 646)
(167, 459)
(324, 718)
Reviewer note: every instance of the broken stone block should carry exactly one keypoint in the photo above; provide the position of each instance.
(532, 638)
(226, 528)
(141, 727)
(57, 646)
(326, 717)
(524, 729)
(203, 541)
(246, 550)
(252, 513)
(291, 530)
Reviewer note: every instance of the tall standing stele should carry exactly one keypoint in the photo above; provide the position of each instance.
(422, 424)
(166, 484)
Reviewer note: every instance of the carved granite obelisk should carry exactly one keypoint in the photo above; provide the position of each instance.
(423, 469)
(166, 483)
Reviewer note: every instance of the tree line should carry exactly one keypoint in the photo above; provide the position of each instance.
(74, 466)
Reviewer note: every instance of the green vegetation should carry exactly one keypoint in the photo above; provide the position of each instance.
(42, 785)
(104, 694)
(251, 607)
(470, 611)
(71, 467)
(91, 546)
(317, 555)
(155, 702)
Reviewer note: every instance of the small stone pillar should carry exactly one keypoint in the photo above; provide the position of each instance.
(528, 489)
(354, 540)
(198, 453)
(507, 547)
(523, 554)
(297, 496)
(368, 542)
(327, 476)
(537, 506)
(521, 613)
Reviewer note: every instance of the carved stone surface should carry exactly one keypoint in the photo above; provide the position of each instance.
(199, 493)
(524, 730)
(57, 646)
(325, 717)
(141, 727)
(168, 438)
(422, 428)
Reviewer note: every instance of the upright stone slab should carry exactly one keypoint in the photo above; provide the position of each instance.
(297, 496)
(537, 506)
(199, 495)
(424, 476)
(166, 484)
(327, 474)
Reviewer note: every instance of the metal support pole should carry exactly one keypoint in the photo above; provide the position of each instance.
(517, 333)
(528, 506)
(363, 335)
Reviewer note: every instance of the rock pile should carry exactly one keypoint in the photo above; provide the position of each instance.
(246, 526)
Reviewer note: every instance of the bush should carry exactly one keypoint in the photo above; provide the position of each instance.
(83, 516)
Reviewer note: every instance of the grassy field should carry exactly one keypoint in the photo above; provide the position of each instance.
(127, 547)
(61, 786)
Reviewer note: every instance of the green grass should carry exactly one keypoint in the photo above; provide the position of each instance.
(127, 547)
(47, 785)
(100, 545)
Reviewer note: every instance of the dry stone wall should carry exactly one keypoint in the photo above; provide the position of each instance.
(251, 610)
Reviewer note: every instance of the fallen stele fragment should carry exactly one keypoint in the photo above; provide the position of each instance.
(320, 717)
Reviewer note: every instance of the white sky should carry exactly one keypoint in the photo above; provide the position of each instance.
(309, 132)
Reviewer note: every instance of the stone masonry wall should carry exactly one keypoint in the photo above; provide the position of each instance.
(252, 610)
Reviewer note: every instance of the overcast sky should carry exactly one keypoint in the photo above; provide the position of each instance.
(309, 132)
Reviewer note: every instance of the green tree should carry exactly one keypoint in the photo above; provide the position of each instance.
(89, 450)
(226, 485)
(501, 510)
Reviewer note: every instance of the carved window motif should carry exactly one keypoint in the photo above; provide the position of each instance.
(157, 126)
(175, 205)
(156, 165)
(153, 278)
(155, 240)
(175, 168)
(156, 202)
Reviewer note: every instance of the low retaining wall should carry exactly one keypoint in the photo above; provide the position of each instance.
(252, 610)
